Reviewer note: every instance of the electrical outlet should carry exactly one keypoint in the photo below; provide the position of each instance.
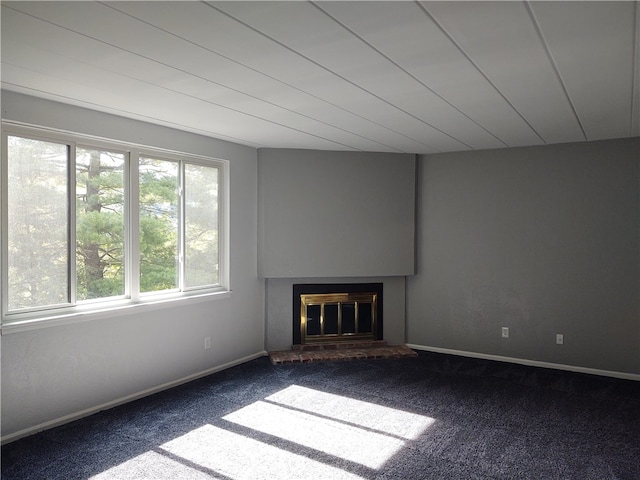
(559, 339)
(207, 343)
(505, 332)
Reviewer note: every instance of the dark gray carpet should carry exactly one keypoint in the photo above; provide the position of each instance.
(431, 417)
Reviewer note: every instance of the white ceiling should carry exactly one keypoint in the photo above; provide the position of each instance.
(399, 76)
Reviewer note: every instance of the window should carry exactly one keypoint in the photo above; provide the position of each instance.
(159, 221)
(70, 210)
(100, 223)
(201, 257)
(178, 225)
(38, 223)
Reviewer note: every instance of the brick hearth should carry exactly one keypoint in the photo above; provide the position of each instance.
(340, 352)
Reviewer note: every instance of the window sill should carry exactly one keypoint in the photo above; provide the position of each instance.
(49, 320)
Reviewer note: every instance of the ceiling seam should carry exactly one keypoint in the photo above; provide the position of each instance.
(245, 142)
(298, 89)
(477, 67)
(126, 114)
(96, 105)
(244, 66)
(554, 65)
(635, 78)
(340, 77)
(275, 79)
(390, 60)
(188, 73)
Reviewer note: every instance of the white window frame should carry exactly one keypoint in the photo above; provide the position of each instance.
(39, 317)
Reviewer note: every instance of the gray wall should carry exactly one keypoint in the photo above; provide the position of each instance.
(54, 373)
(543, 240)
(335, 214)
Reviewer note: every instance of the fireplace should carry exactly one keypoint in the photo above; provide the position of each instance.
(337, 312)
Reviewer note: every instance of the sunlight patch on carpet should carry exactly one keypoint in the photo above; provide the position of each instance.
(368, 415)
(241, 458)
(353, 430)
(152, 465)
(334, 438)
(322, 433)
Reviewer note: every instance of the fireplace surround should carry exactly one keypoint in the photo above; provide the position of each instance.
(337, 312)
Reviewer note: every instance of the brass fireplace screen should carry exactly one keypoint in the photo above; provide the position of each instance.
(334, 317)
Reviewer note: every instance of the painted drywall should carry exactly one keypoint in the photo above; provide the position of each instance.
(543, 240)
(51, 373)
(279, 308)
(335, 214)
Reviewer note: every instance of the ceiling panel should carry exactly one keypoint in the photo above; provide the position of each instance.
(404, 35)
(593, 45)
(418, 77)
(326, 43)
(145, 79)
(482, 30)
(252, 64)
(383, 75)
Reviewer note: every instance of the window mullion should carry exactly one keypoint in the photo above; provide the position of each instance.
(224, 239)
(132, 225)
(71, 247)
(4, 221)
(181, 228)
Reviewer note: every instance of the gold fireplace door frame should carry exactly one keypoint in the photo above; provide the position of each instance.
(323, 299)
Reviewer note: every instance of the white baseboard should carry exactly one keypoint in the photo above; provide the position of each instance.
(129, 398)
(532, 363)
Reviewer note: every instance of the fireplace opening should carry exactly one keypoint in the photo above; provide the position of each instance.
(333, 313)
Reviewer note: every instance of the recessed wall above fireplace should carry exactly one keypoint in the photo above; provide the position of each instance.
(335, 214)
